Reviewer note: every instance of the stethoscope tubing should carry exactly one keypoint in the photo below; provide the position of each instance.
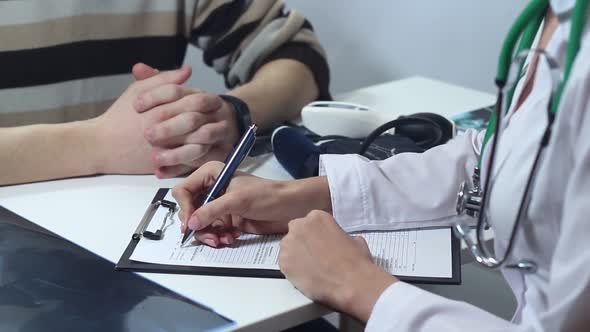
(524, 30)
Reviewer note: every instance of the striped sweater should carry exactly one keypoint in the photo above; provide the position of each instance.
(66, 60)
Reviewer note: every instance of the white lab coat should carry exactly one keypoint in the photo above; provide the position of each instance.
(418, 190)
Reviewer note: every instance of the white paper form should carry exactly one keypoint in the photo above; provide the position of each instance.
(416, 253)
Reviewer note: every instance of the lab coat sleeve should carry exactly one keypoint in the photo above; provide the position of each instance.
(408, 190)
(403, 307)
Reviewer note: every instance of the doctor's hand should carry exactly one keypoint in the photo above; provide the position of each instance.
(329, 266)
(191, 128)
(250, 204)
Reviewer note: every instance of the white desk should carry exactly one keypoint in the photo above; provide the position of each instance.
(419, 94)
(100, 213)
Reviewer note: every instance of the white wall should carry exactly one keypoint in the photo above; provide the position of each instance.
(373, 41)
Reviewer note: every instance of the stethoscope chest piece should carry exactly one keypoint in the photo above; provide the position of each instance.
(469, 199)
(525, 266)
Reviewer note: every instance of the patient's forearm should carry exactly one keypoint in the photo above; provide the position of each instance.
(42, 152)
(278, 91)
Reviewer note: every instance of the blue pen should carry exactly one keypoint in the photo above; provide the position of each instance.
(231, 165)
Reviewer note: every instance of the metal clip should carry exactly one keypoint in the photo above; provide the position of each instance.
(159, 233)
(147, 218)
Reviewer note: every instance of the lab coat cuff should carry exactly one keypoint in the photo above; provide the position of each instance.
(349, 197)
(394, 305)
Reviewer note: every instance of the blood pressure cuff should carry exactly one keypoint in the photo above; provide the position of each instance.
(298, 153)
(382, 148)
(297, 149)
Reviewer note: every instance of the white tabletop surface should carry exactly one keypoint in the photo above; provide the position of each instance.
(100, 213)
(419, 94)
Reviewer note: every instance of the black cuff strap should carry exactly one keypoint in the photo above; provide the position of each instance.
(243, 119)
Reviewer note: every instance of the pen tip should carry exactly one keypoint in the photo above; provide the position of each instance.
(185, 238)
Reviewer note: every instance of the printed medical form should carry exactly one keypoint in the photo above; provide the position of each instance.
(424, 253)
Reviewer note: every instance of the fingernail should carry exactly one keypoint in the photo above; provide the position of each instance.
(194, 223)
(210, 242)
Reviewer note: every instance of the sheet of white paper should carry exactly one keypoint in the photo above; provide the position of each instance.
(418, 253)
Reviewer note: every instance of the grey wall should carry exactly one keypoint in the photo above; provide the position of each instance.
(374, 41)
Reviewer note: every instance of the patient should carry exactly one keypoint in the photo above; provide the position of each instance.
(70, 107)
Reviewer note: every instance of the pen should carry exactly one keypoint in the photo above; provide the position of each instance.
(231, 165)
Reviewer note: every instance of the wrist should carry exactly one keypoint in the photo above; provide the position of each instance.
(86, 151)
(95, 133)
(316, 191)
(362, 290)
(233, 132)
(239, 116)
(305, 195)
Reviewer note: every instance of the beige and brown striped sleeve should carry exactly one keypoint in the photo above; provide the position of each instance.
(238, 37)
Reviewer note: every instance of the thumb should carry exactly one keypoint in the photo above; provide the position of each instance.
(141, 71)
(230, 203)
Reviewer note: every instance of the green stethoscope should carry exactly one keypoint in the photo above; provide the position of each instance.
(471, 200)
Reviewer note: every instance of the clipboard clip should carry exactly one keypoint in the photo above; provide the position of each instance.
(147, 218)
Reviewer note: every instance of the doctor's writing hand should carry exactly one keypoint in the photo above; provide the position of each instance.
(247, 205)
(250, 204)
(329, 266)
(192, 127)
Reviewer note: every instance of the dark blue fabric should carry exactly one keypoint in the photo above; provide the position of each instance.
(296, 151)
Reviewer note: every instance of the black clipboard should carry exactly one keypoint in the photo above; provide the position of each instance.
(126, 264)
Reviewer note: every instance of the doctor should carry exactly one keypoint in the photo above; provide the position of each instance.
(545, 258)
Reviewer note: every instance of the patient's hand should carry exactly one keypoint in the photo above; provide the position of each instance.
(120, 130)
(191, 127)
